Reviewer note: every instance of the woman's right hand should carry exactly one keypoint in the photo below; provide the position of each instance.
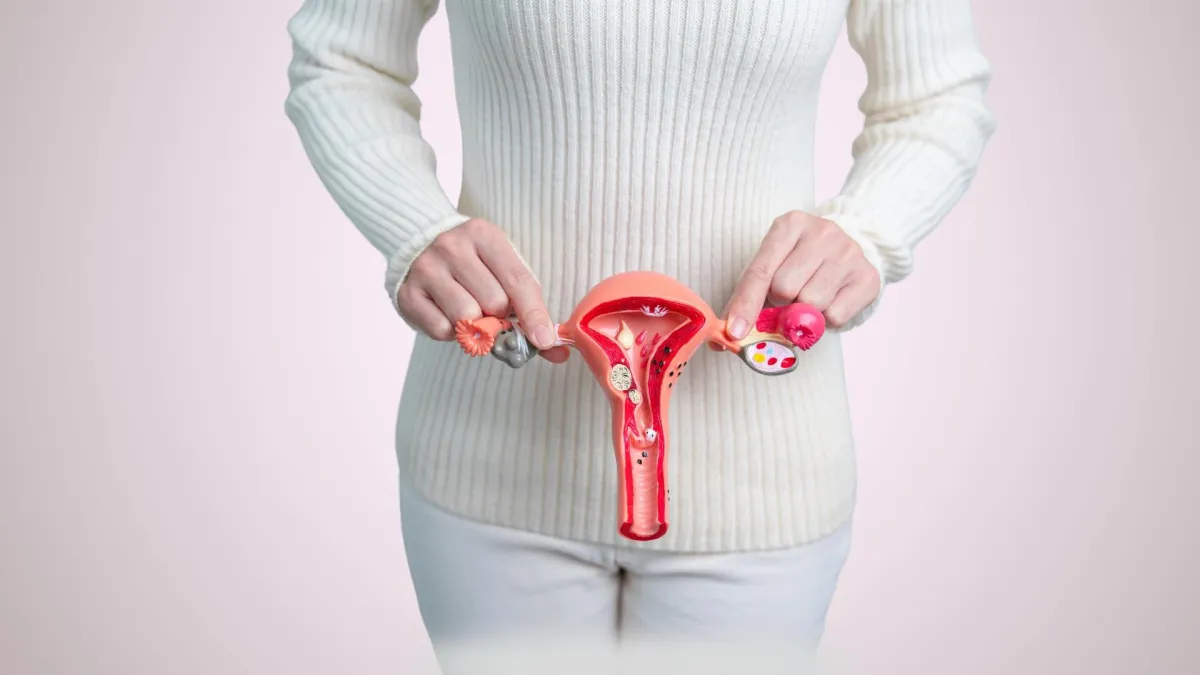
(471, 271)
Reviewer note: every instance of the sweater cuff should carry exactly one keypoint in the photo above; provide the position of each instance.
(401, 261)
(857, 230)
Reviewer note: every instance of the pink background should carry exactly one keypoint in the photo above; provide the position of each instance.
(200, 371)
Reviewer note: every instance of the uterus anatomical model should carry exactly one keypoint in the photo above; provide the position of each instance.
(637, 331)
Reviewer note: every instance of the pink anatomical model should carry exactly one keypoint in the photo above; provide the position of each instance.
(637, 331)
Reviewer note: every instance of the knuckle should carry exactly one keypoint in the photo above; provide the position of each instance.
(863, 278)
(843, 264)
(476, 227)
(789, 221)
(494, 304)
(758, 272)
(817, 297)
(445, 244)
(437, 327)
(776, 300)
(468, 308)
(404, 296)
(808, 221)
(828, 231)
(782, 290)
(441, 332)
(423, 265)
(521, 276)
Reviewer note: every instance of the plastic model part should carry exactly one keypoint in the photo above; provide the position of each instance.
(637, 332)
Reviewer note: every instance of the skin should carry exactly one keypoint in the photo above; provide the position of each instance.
(473, 270)
(804, 258)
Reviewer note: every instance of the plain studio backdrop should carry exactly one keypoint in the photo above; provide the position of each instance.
(200, 369)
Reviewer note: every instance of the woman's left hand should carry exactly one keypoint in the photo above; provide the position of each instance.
(805, 258)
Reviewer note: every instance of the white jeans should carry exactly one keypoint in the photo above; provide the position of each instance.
(497, 600)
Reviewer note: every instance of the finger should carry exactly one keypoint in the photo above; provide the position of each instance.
(454, 300)
(796, 271)
(556, 354)
(420, 309)
(751, 292)
(522, 289)
(473, 275)
(853, 298)
(722, 344)
(824, 285)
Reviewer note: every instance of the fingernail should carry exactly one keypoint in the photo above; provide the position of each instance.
(545, 337)
(738, 328)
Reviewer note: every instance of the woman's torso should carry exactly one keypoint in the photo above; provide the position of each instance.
(614, 135)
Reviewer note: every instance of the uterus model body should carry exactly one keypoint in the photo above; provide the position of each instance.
(637, 331)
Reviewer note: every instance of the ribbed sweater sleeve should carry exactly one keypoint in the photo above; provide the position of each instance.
(351, 99)
(925, 129)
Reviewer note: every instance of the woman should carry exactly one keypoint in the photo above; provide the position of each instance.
(601, 136)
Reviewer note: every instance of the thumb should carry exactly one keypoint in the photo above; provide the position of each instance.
(556, 354)
(747, 300)
(751, 293)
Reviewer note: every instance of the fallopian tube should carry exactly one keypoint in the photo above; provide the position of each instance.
(637, 332)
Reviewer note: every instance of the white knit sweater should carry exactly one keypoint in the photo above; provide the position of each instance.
(613, 135)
